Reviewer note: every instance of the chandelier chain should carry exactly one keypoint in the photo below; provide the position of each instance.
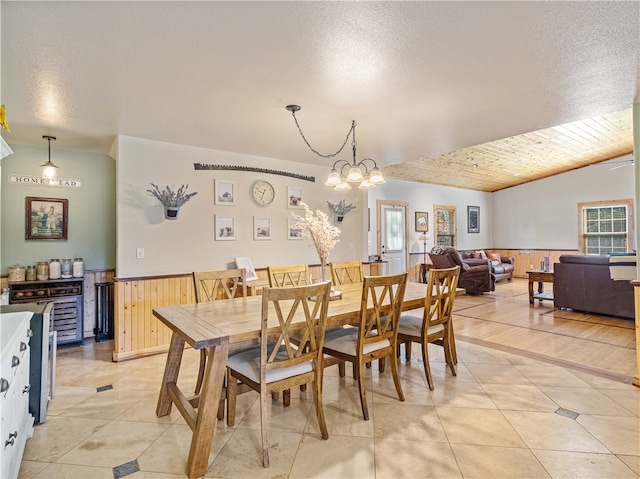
(352, 131)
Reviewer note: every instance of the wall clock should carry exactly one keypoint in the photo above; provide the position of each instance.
(262, 193)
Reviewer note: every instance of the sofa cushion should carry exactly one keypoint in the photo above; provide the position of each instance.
(495, 258)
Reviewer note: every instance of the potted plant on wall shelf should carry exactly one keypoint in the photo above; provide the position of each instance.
(340, 209)
(172, 200)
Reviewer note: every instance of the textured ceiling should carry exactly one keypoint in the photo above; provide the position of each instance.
(425, 81)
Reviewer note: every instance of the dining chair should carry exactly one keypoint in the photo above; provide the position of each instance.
(346, 272)
(376, 334)
(350, 272)
(294, 275)
(280, 277)
(435, 325)
(280, 362)
(212, 286)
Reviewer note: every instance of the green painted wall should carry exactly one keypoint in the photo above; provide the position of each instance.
(92, 208)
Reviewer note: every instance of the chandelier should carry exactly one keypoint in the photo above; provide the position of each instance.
(365, 171)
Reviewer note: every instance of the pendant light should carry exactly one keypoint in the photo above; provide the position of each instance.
(369, 178)
(49, 169)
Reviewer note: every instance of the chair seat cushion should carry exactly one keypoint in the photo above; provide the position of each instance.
(345, 340)
(247, 363)
(412, 326)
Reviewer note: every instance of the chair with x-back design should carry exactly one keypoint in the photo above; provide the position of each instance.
(376, 334)
(281, 362)
(435, 325)
(212, 286)
(346, 272)
(295, 275)
(286, 276)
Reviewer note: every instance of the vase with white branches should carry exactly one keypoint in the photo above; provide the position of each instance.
(320, 232)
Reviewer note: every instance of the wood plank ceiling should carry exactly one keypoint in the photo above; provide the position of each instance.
(519, 159)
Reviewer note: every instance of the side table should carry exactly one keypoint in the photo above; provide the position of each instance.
(541, 277)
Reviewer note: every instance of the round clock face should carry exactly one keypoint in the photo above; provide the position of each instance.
(262, 193)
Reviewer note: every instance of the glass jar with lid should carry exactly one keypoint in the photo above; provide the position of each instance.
(16, 273)
(78, 268)
(54, 269)
(66, 268)
(30, 274)
(42, 271)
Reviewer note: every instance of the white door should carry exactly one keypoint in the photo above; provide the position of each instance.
(393, 237)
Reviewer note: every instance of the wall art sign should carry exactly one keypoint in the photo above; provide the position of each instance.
(473, 219)
(46, 218)
(294, 197)
(261, 228)
(422, 221)
(225, 193)
(31, 180)
(245, 262)
(225, 228)
(294, 231)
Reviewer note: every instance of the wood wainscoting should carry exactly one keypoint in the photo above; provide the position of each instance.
(525, 259)
(137, 331)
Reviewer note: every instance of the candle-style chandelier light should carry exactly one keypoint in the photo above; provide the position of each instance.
(356, 171)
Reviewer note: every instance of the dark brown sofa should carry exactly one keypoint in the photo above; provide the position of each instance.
(475, 279)
(502, 270)
(583, 283)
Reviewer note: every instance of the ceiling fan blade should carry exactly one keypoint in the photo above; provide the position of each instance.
(620, 166)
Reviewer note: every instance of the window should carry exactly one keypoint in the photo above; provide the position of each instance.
(445, 219)
(394, 229)
(606, 227)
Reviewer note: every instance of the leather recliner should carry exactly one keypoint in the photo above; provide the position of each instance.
(474, 279)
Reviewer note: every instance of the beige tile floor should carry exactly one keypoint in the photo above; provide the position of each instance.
(504, 415)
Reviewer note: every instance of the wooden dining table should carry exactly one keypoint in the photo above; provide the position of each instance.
(221, 327)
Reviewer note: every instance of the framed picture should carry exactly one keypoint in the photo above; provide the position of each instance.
(261, 228)
(225, 194)
(293, 229)
(245, 262)
(294, 197)
(473, 219)
(422, 221)
(46, 218)
(225, 228)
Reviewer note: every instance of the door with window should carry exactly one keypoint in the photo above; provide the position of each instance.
(392, 234)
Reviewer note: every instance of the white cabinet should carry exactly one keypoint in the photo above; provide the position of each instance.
(16, 424)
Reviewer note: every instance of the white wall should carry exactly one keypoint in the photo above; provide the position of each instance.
(422, 197)
(544, 214)
(538, 215)
(188, 244)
